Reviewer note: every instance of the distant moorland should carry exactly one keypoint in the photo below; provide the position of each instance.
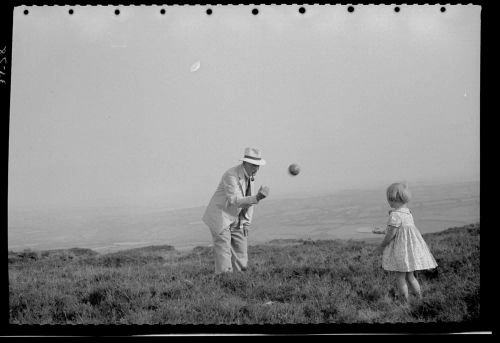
(327, 216)
(288, 281)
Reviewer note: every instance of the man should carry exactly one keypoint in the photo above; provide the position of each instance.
(229, 212)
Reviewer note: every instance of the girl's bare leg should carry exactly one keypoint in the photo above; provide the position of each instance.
(414, 284)
(403, 287)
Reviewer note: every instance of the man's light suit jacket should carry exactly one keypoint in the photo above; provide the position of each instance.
(228, 200)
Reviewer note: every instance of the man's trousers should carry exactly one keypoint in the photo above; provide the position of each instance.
(230, 246)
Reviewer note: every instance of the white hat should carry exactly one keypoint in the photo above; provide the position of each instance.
(253, 156)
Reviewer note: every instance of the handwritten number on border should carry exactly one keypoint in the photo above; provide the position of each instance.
(3, 60)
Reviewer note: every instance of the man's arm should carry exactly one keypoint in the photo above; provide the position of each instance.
(231, 188)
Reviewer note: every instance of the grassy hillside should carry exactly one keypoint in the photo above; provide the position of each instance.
(291, 281)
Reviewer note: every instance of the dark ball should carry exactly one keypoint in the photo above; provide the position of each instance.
(294, 169)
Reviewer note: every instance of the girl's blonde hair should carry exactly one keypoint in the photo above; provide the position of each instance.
(398, 192)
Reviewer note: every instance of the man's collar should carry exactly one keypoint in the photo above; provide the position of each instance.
(245, 172)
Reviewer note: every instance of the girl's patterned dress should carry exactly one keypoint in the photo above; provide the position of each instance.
(407, 251)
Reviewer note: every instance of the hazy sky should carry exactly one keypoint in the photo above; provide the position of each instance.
(111, 110)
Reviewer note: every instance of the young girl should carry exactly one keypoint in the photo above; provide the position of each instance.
(404, 249)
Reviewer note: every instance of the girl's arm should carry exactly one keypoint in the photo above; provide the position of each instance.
(391, 232)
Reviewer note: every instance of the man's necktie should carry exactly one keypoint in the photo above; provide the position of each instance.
(247, 193)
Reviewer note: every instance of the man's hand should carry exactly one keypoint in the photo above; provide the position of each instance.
(263, 192)
(245, 231)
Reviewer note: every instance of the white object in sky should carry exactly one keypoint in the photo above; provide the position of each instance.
(195, 66)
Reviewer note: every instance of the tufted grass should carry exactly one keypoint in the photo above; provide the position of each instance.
(289, 282)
